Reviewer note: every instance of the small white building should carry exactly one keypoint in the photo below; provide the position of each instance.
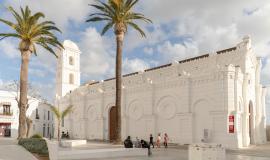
(39, 113)
(43, 121)
(217, 98)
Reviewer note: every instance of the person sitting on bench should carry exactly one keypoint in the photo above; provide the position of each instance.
(128, 143)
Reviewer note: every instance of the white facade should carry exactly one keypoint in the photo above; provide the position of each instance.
(215, 97)
(68, 69)
(9, 118)
(43, 121)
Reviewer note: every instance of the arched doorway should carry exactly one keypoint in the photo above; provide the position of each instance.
(251, 126)
(112, 123)
(201, 121)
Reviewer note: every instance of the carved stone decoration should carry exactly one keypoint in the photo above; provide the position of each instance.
(76, 113)
(135, 110)
(92, 114)
(167, 108)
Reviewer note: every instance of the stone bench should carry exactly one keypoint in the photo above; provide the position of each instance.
(72, 143)
(206, 151)
(56, 154)
(102, 153)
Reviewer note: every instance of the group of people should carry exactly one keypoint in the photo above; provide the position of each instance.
(144, 144)
(159, 140)
(65, 135)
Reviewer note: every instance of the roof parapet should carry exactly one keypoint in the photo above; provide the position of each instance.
(246, 43)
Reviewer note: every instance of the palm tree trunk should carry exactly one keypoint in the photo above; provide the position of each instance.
(25, 55)
(118, 75)
(58, 130)
(28, 123)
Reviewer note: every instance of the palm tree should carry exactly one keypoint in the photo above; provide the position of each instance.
(29, 124)
(118, 15)
(60, 117)
(30, 32)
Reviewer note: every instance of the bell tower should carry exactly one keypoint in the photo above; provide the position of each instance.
(68, 69)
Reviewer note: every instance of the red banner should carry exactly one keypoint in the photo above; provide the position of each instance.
(231, 124)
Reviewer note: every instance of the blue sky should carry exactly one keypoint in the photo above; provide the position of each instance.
(181, 29)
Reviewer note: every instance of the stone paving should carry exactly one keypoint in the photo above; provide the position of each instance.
(261, 152)
(178, 154)
(9, 150)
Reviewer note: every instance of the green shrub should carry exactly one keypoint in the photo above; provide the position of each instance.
(36, 136)
(34, 145)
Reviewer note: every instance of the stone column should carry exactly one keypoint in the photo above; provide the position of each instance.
(245, 117)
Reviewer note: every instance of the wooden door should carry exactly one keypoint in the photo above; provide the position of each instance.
(112, 123)
(5, 129)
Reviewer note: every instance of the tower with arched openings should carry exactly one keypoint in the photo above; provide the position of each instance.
(68, 69)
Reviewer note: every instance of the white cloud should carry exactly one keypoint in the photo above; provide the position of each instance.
(177, 51)
(9, 48)
(37, 72)
(134, 40)
(265, 74)
(201, 26)
(96, 58)
(4, 85)
(134, 65)
(59, 11)
(149, 51)
(46, 91)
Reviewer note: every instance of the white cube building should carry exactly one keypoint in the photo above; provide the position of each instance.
(215, 98)
(38, 112)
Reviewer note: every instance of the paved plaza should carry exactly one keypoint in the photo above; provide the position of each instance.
(11, 151)
(180, 154)
(260, 152)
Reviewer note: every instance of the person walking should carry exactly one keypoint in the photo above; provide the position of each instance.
(151, 141)
(146, 145)
(166, 139)
(158, 140)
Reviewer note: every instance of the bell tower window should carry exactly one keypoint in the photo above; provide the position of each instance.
(71, 61)
(71, 78)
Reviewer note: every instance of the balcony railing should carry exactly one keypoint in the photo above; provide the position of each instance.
(6, 113)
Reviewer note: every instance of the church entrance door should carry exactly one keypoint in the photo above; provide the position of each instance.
(112, 123)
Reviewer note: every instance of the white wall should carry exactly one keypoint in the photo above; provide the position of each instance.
(9, 97)
(181, 99)
(45, 119)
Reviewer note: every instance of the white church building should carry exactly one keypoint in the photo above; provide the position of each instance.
(215, 98)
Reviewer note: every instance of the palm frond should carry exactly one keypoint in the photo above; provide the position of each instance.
(117, 13)
(129, 5)
(95, 19)
(48, 48)
(67, 111)
(106, 28)
(136, 27)
(5, 35)
(138, 16)
(56, 112)
(107, 7)
(16, 15)
(29, 28)
(12, 25)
